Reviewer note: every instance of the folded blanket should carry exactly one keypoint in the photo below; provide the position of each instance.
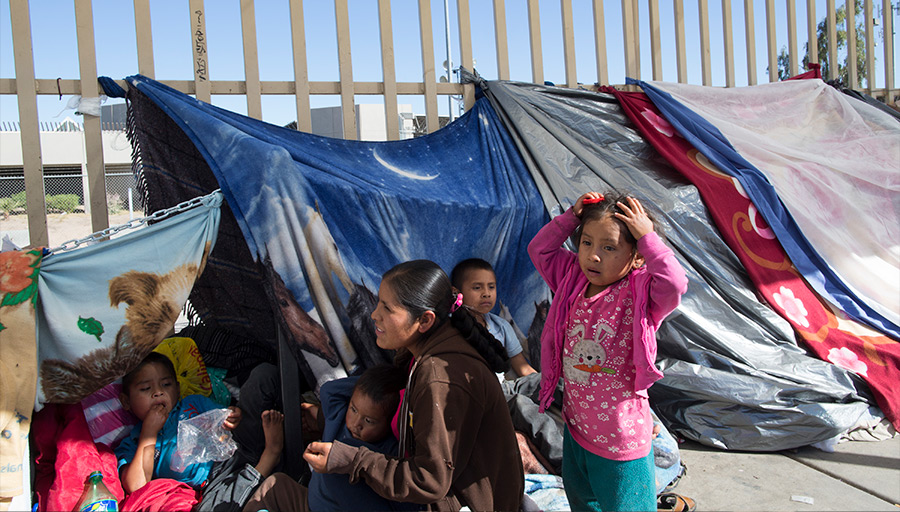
(64, 456)
(546, 491)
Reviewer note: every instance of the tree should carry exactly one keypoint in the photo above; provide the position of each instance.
(843, 74)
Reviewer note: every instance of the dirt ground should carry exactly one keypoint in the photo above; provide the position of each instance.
(61, 227)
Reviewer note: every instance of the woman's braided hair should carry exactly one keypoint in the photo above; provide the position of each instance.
(421, 285)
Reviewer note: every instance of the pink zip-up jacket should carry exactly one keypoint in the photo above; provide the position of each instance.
(657, 287)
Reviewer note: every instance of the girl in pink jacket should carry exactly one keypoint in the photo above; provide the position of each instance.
(600, 337)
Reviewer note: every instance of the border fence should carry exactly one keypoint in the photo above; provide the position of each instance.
(638, 42)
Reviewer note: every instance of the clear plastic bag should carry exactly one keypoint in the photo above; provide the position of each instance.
(203, 438)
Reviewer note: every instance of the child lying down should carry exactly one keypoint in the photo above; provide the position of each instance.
(151, 392)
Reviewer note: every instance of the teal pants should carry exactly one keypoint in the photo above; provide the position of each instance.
(595, 483)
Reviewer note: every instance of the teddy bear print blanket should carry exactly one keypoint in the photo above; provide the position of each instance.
(103, 307)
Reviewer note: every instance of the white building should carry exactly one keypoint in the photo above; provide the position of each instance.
(370, 125)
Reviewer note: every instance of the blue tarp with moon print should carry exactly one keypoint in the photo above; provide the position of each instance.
(330, 215)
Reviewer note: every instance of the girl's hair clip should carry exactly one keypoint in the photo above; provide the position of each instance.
(457, 304)
(592, 200)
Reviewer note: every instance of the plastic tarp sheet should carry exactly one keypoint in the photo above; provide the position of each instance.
(327, 217)
(735, 377)
(821, 168)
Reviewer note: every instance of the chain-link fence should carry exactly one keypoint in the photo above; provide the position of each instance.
(65, 192)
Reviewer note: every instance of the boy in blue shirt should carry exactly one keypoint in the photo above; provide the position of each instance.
(151, 392)
(475, 279)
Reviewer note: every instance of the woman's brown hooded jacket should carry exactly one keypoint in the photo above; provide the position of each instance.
(459, 441)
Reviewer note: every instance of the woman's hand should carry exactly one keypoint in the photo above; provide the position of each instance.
(233, 419)
(579, 204)
(635, 218)
(316, 455)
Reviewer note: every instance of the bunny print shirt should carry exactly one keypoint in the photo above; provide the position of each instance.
(603, 412)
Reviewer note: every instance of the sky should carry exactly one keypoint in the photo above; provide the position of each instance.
(55, 46)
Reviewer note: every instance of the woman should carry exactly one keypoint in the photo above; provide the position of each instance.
(457, 442)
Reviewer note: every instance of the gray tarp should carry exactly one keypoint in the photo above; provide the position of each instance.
(735, 377)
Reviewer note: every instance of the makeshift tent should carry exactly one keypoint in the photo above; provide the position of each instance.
(735, 376)
(323, 218)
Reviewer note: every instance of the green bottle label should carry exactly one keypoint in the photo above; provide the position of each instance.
(101, 506)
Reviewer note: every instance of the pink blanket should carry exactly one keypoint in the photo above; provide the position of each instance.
(65, 454)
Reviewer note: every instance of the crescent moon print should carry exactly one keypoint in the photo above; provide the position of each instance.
(400, 171)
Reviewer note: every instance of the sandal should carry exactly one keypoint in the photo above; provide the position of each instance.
(671, 502)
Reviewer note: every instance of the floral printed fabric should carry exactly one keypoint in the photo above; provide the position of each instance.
(604, 414)
(820, 168)
(18, 369)
(827, 331)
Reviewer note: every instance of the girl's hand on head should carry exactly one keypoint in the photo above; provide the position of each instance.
(316, 455)
(233, 419)
(579, 204)
(635, 218)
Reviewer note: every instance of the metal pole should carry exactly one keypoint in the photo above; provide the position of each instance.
(449, 62)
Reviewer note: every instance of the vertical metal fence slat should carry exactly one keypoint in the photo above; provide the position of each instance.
(426, 39)
(93, 142)
(680, 48)
(705, 65)
(793, 55)
(632, 66)
(464, 21)
(534, 37)
(200, 50)
(636, 23)
(728, 41)
(851, 44)
(143, 38)
(301, 73)
(771, 43)
(600, 43)
(500, 40)
(568, 33)
(345, 66)
(887, 17)
(388, 73)
(870, 48)
(35, 204)
(831, 27)
(655, 43)
(750, 37)
(251, 59)
(812, 36)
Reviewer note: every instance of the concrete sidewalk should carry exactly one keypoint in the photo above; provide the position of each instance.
(858, 476)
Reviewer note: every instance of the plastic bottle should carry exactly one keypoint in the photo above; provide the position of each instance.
(96, 497)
